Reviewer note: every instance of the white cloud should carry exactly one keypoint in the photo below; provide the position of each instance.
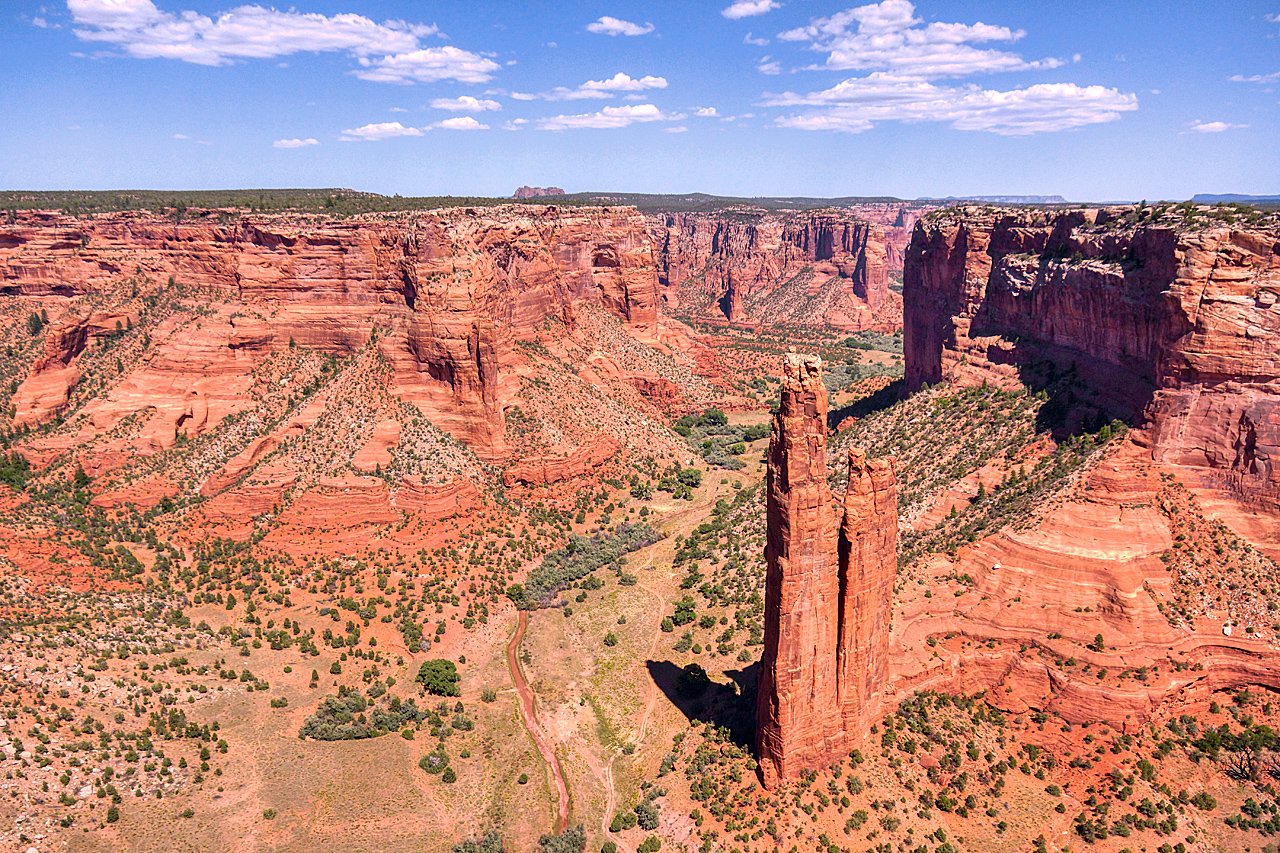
(245, 32)
(887, 36)
(398, 110)
(857, 104)
(758, 42)
(465, 104)
(1213, 126)
(294, 143)
(40, 22)
(181, 136)
(597, 88)
(379, 131)
(461, 123)
(1257, 78)
(769, 68)
(428, 65)
(614, 27)
(677, 129)
(706, 112)
(748, 8)
(609, 117)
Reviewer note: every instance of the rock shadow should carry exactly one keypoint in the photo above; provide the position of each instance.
(729, 706)
(880, 400)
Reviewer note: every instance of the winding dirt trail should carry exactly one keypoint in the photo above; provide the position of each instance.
(530, 714)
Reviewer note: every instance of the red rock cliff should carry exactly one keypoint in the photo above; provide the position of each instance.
(1179, 323)
(446, 291)
(818, 268)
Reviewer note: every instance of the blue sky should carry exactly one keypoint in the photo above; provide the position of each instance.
(1091, 100)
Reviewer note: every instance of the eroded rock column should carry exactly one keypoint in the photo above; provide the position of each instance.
(868, 567)
(797, 719)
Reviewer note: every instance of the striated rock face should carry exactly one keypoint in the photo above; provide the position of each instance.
(445, 294)
(821, 268)
(554, 467)
(796, 723)
(828, 589)
(868, 566)
(1180, 325)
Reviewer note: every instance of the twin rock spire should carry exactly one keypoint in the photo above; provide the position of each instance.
(828, 590)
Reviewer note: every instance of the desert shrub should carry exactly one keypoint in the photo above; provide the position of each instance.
(490, 842)
(434, 762)
(343, 717)
(572, 840)
(439, 677)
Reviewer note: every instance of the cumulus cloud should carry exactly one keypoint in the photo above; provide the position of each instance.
(887, 36)
(461, 123)
(706, 112)
(769, 67)
(857, 104)
(617, 84)
(379, 131)
(758, 42)
(609, 117)
(294, 143)
(245, 32)
(465, 104)
(680, 128)
(388, 52)
(608, 26)
(1213, 126)
(748, 8)
(428, 65)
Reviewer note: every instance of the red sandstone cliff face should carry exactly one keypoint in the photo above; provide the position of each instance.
(1181, 324)
(443, 293)
(820, 268)
(828, 589)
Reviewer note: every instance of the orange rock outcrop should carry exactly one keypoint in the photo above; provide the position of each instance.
(828, 589)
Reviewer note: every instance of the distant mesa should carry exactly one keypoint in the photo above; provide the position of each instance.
(536, 192)
(1215, 198)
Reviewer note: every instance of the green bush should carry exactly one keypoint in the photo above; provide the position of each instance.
(491, 842)
(652, 844)
(622, 821)
(449, 775)
(692, 681)
(439, 677)
(435, 762)
(572, 840)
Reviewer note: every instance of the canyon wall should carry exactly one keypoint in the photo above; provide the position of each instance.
(443, 294)
(828, 589)
(1175, 325)
(822, 268)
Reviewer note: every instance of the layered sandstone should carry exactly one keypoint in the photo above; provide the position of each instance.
(828, 589)
(442, 295)
(823, 268)
(1174, 324)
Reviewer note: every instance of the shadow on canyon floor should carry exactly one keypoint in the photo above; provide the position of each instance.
(729, 706)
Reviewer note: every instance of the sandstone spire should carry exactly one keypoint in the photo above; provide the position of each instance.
(828, 588)
(796, 711)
